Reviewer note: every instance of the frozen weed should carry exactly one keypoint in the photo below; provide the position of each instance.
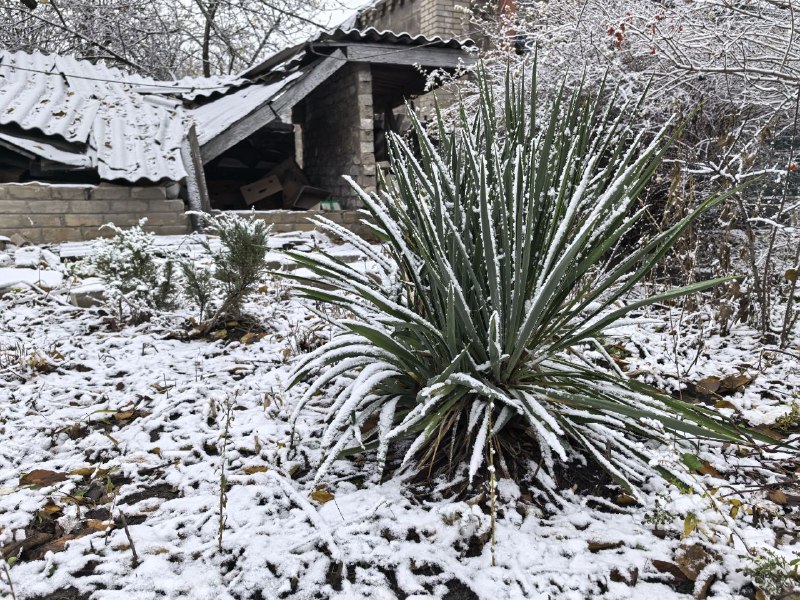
(775, 576)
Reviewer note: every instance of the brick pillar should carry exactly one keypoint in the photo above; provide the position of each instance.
(443, 18)
(338, 136)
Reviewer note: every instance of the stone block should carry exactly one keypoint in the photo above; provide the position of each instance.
(154, 219)
(39, 207)
(53, 220)
(69, 192)
(9, 207)
(123, 219)
(106, 191)
(88, 206)
(173, 206)
(29, 190)
(153, 191)
(79, 220)
(171, 229)
(30, 235)
(56, 235)
(126, 205)
(3, 192)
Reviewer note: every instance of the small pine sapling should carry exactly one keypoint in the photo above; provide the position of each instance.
(198, 284)
(238, 264)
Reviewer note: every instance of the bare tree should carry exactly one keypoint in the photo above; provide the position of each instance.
(157, 37)
(731, 70)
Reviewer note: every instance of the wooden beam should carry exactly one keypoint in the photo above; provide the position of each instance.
(271, 110)
(195, 178)
(440, 58)
(307, 84)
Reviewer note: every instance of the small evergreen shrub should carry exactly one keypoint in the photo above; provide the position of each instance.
(238, 264)
(503, 262)
(198, 284)
(137, 283)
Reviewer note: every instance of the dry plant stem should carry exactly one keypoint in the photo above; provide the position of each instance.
(492, 483)
(789, 318)
(135, 562)
(751, 245)
(8, 578)
(223, 482)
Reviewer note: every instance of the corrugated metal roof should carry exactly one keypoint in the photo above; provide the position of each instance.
(289, 58)
(215, 117)
(94, 109)
(370, 34)
(194, 88)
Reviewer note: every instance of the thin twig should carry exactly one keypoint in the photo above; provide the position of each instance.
(130, 539)
(10, 584)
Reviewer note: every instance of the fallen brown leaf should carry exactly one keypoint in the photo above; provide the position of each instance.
(321, 495)
(258, 469)
(42, 478)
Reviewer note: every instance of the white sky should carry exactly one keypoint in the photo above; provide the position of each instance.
(339, 10)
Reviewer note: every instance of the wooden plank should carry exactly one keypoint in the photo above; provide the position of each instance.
(270, 111)
(238, 131)
(305, 85)
(440, 58)
(195, 178)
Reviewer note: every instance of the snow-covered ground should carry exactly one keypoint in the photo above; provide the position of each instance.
(124, 453)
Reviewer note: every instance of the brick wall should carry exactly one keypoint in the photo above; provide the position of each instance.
(442, 18)
(394, 15)
(338, 134)
(427, 17)
(52, 213)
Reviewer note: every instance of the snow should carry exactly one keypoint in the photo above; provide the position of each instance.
(66, 412)
(45, 279)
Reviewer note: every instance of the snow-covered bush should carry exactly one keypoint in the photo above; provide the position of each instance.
(504, 261)
(775, 576)
(137, 283)
(238, 264)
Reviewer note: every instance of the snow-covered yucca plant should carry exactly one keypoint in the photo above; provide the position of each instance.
(503, 261)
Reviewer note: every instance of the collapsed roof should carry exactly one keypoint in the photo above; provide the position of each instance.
(70, 114)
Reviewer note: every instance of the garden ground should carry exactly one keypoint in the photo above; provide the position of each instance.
(138, 463)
